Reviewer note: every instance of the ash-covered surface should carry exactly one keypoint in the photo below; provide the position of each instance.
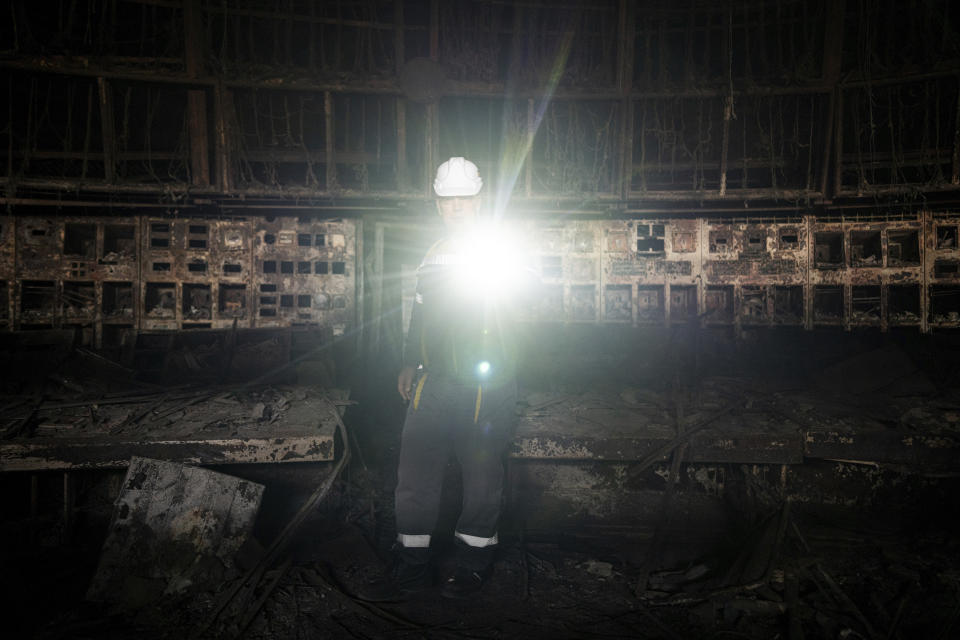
(781, 571)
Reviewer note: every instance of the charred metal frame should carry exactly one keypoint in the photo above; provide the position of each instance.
(105, 275)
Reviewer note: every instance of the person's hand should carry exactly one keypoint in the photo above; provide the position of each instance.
(405, 382)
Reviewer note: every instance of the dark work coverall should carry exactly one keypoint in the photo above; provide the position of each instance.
(464, 402)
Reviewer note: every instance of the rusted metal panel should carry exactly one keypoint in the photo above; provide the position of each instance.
(174, 528)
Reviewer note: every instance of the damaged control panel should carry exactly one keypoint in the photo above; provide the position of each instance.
(106, 275)
(856, 270)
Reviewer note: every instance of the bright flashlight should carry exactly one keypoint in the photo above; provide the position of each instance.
(489, 262)
(483, 369)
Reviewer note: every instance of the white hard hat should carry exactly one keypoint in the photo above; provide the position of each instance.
(457, 177)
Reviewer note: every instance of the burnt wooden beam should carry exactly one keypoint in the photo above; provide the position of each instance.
(399, 55)
(107, 129)
(955, 175)
(329, 139)
(625, 56)
(222, 103)
(832, 67)
(727, 49)
(194, 50)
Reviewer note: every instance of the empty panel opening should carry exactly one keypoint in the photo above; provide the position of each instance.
(79, 298)
(753, 305)
(339, 268)
(196, 301)
(944, 303)
(160, 266)
(269, 266)
(946, 269)
(117, 299)
(233, 300)
(828, 249)
(286, 266)
(232, 268)
(650, 238)
(320, 239)
(789, 239)
(269, 238)
(4, 300)
(946, 236)
(197, 266)
(683, 303)
(303, 267)
(865, 303)
(551, 266)
(788, 304)
(828, 303)
(268, 287)
(159, 235)
(119, 241)
(339, 302)
(903, 304)
(80, 240)
(197, 236)
(650, 303)
(718, 304)
(304, 239)
(719, 241)
(865, 249)
(38, 296)
(286, 300)
(303, 301)
(903, 248)
(320, 267)
(618, 303)
(582, 302)
(160, 299)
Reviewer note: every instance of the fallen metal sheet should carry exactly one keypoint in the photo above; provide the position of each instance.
(174, 528)
(105, 454)
(208, 432)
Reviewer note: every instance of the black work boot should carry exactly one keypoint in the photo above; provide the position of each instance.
(473, 569)
(410, 574)
(464, 583)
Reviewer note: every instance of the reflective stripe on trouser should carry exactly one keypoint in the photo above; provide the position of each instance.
(443, 422)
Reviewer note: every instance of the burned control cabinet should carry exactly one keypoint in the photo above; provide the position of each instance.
(107, 276)
(851, 270)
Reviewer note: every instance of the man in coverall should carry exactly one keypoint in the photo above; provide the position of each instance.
(459, 378)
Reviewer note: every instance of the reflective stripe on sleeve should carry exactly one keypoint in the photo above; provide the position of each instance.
(476, 411)
(416, 396)
(413, 541)
(477, 541)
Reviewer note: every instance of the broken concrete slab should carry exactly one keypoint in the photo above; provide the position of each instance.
(175, 528)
